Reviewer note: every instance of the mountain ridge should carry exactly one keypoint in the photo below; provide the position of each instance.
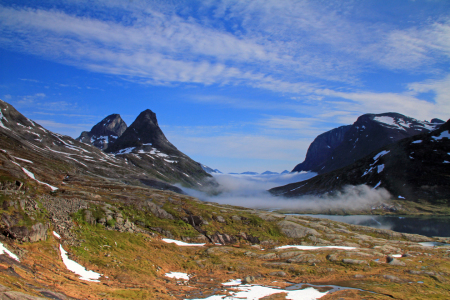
(344, 145)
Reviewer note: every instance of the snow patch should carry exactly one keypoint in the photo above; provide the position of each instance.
(126, 150)
(31, 175)
(180, 243)
(3, 250)
(417, 142)
(301, 247)
(77, 268)
(56, 235)
(254, 292)
(384, 152)
(22, 159)
(444, 134)
(377, 185)
(380, 168)
(401, 197)
(177, 275)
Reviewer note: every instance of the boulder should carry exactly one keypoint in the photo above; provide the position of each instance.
(294, 230)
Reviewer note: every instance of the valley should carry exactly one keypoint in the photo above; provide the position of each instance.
(129, 215)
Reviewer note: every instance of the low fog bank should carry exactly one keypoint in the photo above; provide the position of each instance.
(251, 192)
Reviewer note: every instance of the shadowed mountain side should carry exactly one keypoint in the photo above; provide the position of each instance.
(343, 146)
(414, 168)
(144, 145)
(321, 149)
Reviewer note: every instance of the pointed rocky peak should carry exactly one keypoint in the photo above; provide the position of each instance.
(143, 134)
(104, 133)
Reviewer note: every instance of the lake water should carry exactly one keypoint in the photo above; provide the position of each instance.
(428, 226)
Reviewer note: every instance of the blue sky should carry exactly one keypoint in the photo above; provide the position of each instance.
(237, 85)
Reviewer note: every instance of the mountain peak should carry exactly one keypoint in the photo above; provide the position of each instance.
(147, 116)
(143, 131)
(104, 133)
(346, 144)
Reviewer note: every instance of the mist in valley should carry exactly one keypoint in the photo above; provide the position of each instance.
(252, 192)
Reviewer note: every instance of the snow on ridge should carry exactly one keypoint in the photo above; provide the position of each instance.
(417, 142)
(31, 175)
(389, 121)
(384, 152)
(23, 159)
(125, 150)
(380, 168)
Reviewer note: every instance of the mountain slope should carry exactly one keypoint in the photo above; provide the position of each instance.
(342, 146)
(321, 149)
(51, 156)
(414, 168)
(144, 145)
(104, 133)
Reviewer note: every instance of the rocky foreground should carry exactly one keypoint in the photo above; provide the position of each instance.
(116, 230)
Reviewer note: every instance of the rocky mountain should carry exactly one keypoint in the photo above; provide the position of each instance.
(414, 168)
(321, 149)
(285, 172)
(32, 142)
(143, 144)
(344, 145)
(104, 133)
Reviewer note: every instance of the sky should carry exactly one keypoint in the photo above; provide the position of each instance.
(237, 85)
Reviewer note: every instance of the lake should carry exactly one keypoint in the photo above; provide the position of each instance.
(424, 225)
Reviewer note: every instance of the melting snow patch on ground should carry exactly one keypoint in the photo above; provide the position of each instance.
(78, 269)
(444, 134)
(177, 275)
(254, 292)
(180, 243)
(301, 247)
(31, 175)
(56, 235)
(3, 250)
(384, 152)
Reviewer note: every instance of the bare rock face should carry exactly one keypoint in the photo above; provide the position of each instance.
(294, 230)
(104, 133)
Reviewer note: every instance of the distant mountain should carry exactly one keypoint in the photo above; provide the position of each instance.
(144, 144)
(285, 172)
(210, 170)
(104, 133)
(249, 173)
(344, 145)
(413, 168)
(270, 173)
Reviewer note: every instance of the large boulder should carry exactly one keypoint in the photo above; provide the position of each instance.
(294, 230)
